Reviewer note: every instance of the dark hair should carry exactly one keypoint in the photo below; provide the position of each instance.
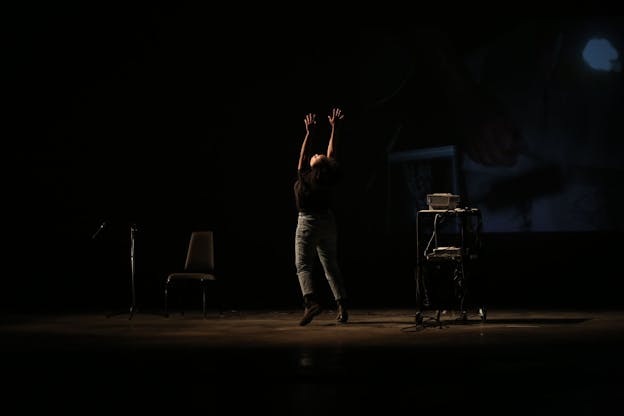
(326, 171)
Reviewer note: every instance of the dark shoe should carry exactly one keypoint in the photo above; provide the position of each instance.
(311, 310)
(343, 315)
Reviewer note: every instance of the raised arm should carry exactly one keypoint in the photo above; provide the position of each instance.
(335, 118)
(310, 126)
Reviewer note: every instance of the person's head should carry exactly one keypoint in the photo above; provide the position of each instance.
(325, 169)
(317, 159)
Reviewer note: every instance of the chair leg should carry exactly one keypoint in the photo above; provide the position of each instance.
(203, 283)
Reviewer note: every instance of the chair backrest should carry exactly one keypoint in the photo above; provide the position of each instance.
(200, 255)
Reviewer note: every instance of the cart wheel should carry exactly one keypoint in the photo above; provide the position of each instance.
(483, 313)
(418, 318)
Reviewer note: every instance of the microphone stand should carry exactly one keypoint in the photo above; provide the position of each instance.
(133, 306)
(133, 230)
(100, 228)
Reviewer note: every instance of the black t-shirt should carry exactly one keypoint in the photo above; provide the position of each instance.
(314, 187)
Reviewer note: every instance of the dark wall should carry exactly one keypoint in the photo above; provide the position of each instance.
(183, 119)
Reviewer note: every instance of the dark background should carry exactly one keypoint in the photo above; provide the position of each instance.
(185, 118)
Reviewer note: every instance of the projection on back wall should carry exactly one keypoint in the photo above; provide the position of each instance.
(550, 157)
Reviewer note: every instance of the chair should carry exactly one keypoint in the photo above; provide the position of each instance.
(199, 266)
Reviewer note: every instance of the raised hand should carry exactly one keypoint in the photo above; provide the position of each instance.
(336, 114)
(310, 122)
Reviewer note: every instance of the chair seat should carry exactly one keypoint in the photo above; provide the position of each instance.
(193, 276)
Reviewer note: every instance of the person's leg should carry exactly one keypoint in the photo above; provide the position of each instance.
(342, 313)
(327, 249)
(304, 253)
(305, 242)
